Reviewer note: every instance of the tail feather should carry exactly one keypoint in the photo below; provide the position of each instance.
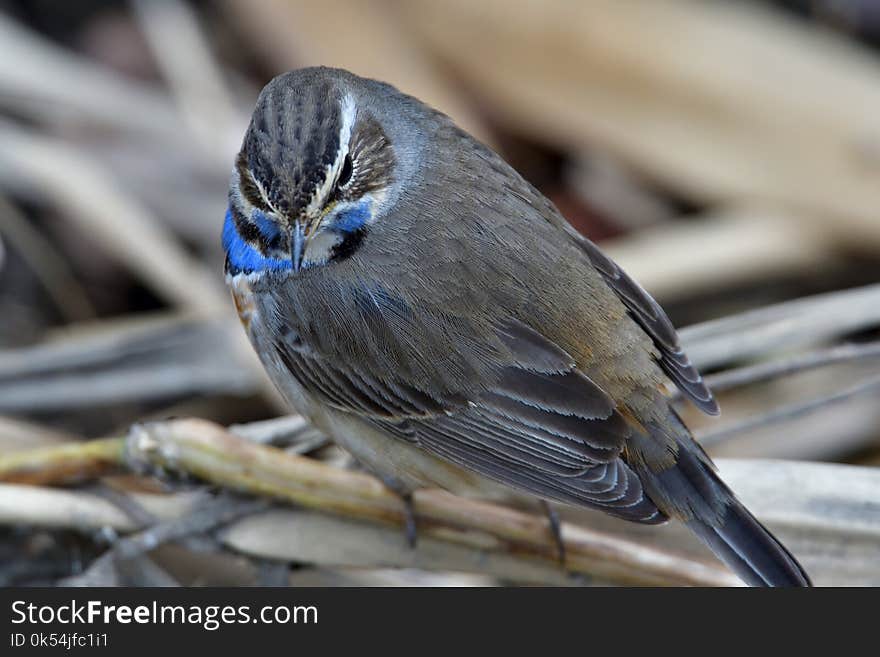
(691, 491)
(750, 550)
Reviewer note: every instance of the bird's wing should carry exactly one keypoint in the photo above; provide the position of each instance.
(653, 320)
(538, 423)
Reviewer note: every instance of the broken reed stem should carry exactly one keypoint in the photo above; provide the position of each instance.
(210, 452)
(62, 464)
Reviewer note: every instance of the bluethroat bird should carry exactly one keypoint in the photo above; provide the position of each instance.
(427, 308)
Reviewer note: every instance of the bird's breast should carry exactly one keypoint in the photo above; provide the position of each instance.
(243, 298)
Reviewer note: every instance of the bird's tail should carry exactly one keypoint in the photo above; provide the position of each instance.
(749, 550)
(691, 491)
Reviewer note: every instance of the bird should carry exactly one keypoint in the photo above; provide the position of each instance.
(418, 301)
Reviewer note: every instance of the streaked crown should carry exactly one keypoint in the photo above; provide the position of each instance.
(313, 168)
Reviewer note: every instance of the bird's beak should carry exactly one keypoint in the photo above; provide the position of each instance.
(297, 245)
(303, 231)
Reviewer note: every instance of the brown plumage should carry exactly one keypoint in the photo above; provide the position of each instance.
(473, 339)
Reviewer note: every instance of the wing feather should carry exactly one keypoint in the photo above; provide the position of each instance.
(538, 424)
(654, 321)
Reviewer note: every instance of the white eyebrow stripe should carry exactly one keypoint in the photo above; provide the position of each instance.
(239, 196)
(263, 193)
(348, 114)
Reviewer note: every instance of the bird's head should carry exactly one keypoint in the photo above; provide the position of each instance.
(315, 171)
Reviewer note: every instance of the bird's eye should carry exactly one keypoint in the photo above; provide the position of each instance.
(345, 174)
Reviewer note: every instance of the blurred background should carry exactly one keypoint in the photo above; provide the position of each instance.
(727, 154)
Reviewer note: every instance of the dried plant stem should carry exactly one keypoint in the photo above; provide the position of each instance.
(211, 453)
(870, 385)
(183, 54)
(775, 369)
(63, 463)
(787, 325)
(202, 518)
(47, 264)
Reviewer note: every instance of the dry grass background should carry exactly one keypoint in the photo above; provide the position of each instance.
(726, 154)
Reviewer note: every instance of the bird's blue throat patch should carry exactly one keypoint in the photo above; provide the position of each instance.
(353, 219)
(242, 257)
